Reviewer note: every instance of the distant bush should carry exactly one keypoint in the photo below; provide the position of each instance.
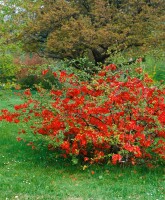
(29, 60)
(8, 70)
(30, 74)
(30, 77)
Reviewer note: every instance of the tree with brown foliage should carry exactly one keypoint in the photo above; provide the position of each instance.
(73, 28)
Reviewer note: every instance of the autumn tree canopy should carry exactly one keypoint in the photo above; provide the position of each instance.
(72, 28)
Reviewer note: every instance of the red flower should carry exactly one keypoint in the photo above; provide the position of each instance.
(162, 118)
(102, 73)
(55, 74)
(65, 146)
(19, 139)
(139, 60)
(139, 70)
(73, 92)
(21, 106)
(44, 72)
(128, 147)
(27, 92)
(111, 67)
(116, 158)
(56, 92)
(16, 121)
(86, 159)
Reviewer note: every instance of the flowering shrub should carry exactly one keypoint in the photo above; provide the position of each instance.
(116, 117)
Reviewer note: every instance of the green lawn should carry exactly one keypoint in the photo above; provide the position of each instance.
(31, 174)
(8, 99)
(155, 68)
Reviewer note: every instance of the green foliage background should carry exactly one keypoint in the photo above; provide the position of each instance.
(155, 68)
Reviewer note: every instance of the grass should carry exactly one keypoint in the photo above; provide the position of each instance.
(155, 68)
(33, 174)
(8, 99)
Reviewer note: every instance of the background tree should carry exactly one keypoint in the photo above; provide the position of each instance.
(14, 15)
(8, 30)
(71, 28)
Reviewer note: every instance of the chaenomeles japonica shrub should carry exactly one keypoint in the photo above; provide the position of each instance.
(117, 117)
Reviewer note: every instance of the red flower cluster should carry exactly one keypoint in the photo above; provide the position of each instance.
(111, 118)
